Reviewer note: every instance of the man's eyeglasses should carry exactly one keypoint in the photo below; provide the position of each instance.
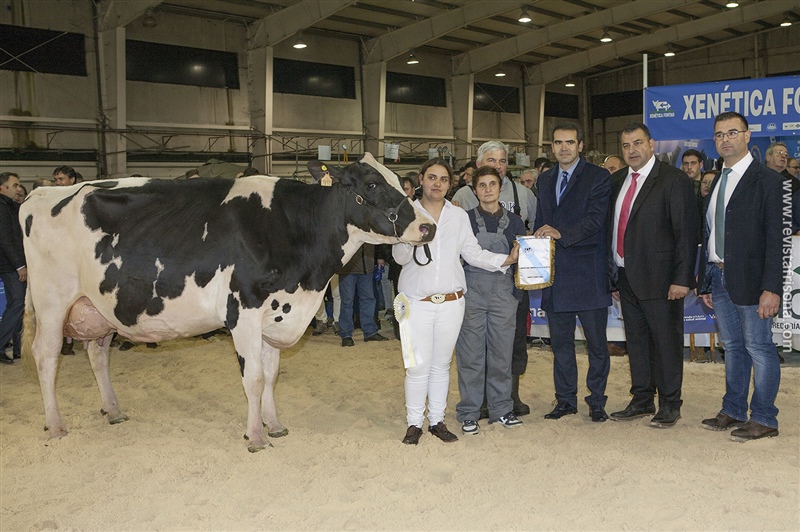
(732, 134)
(795, 167)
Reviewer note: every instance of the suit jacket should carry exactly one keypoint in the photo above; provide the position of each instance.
(12, 255)
(579, 281)
(662, 235)
(754, 219)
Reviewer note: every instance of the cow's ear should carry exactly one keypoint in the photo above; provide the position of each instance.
(324, 173)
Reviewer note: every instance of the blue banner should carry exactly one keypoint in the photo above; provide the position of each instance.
(771, 106)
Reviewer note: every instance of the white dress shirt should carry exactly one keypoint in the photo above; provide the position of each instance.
(737, 171)
(444, 274)
(643, 172)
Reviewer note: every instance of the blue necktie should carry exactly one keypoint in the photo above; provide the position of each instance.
(719, 216)
(563, 187)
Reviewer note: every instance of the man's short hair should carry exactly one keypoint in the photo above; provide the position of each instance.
(41, 182)
(633, 126)
(692, 153)
(730, 115)
(66, 170)
(617, 157)
(490, 146)
(774, 145)
(568, 126)
(540, 161)
(5, 176)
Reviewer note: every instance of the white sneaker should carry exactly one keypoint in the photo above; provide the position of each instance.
(509, 420)
(470, 427)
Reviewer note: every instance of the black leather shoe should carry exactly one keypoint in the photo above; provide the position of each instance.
(633, 412)
(666, 417)
(440, 431)
(721, 422)
(5, 360)
(124, 346)
(412, 435)
(348, 342)
(753, 431)
(377, 337)
(562, 409)
(598, 414)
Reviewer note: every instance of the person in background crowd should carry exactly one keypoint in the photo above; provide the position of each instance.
(539, 163)
(42, 182)
(573, 210)
(612, 163)
(793, 167)
(13, 270)
(485, 343)
(528, 179)
(356, 278)
(692, 165)
(63, 176)
(705, 183)
(777, 157)
(521, 201)
(435, 291)
(742, 280)
(22, 193)
(654, 240)
(545, 166)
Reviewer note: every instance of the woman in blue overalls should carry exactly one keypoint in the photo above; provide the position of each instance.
(484, 346)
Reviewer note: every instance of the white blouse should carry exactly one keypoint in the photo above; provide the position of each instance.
(444, 274)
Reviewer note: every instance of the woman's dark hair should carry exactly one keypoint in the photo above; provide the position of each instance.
(438, 161)
(486, 170)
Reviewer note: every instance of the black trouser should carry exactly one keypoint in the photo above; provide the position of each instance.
(519, 358)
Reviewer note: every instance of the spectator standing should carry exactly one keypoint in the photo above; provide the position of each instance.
(13, 270)
(356, 278)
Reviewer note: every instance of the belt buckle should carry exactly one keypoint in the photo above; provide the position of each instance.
(438, 298)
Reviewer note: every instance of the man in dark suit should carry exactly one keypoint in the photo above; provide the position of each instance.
(573, 210)
(654, 237)
(13, 272)
(743, 255)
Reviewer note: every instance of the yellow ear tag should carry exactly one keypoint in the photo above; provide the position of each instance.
(326, 180)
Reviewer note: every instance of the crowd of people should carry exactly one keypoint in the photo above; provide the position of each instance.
(626, 232)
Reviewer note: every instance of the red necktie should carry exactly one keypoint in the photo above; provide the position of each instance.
(624, 212)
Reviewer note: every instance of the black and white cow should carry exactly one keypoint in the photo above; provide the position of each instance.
(158, 259)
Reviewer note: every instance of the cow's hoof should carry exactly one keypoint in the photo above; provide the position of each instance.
(278, 434)
(55, 434)
(254, 447)
(118, 417)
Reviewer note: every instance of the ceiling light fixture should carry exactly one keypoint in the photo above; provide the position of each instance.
(524, 17)
(731, 5)
(412, 60)
(570, 83)
(670, 51)
(149, 20)
(299, 43)
(606, 37)
(786, 22)
(500, 73)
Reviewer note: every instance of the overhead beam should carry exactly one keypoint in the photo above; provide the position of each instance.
(119, 13)
(499, 52)
(287, 22)
(414, 35)
(570, 64)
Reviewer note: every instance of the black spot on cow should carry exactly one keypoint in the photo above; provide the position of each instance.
(293, 242)
(279, 319)
(28, 224)
(286, 308)
(241, 364)
(63, 203)
(232, 314)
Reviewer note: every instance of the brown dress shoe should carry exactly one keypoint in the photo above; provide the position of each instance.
(440, 431)
(616, 351)
(753, 431)
(721, 422)
(412, 435)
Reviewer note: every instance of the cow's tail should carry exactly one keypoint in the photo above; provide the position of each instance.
(28, 333)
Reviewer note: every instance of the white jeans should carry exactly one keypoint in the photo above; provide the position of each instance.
(434, 331)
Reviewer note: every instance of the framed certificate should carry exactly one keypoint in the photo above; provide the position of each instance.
(536, 266)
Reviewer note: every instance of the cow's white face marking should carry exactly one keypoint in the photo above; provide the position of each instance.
(205, 231)
(387, 174)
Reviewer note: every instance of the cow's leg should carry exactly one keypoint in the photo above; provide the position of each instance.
(270, 360)
(46, 348)
(98, 357)
(247, 341)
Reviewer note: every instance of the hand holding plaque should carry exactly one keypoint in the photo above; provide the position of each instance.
(536, 264)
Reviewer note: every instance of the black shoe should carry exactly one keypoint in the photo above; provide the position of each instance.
(440, 431)
(633, 412)
(66, 348)
(5, 360)
(412, 435)
(126, 345)
(347, 342)
(483, 413)
(151, 345)
(598, 414)
(562, 409)
(17, 356)
(721, 422)
(666, 417)
(377, 337)
(781, 359)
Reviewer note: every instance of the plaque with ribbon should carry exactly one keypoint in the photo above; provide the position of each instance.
(536, 265)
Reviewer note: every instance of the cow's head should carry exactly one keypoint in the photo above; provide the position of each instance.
(379, 204)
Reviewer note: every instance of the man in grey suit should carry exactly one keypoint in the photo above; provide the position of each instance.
(653, 249)
(573, 210)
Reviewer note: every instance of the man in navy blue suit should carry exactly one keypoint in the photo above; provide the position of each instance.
(745, 219)
(573, 210)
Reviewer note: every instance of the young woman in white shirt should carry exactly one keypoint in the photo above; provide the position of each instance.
(433, 281)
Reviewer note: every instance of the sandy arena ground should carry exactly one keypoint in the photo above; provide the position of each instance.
(180, 463)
